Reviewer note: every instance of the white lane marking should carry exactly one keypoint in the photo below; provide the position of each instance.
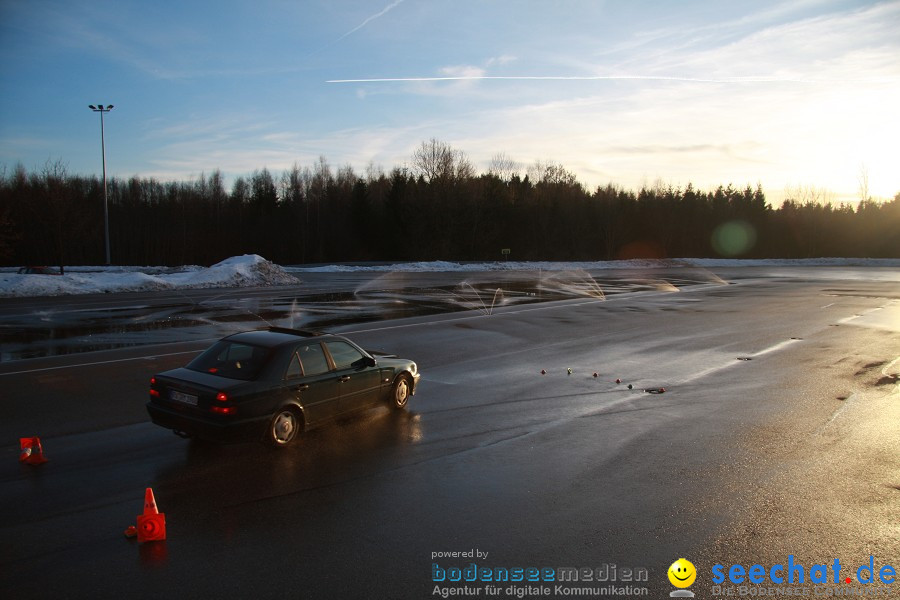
(774, 348)
(885, 373)
(867, 312)
(99, 362)
(837, 413)
(733, 362)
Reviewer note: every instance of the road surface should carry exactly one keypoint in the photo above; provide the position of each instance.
(777, 434)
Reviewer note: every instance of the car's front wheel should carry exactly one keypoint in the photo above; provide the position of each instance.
(284, 428)
(400, 393)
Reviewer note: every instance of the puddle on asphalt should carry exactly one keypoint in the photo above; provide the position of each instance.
(388, 296)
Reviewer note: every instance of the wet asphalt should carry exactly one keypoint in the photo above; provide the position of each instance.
(494, 461)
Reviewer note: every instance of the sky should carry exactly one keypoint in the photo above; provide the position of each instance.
(798, 96)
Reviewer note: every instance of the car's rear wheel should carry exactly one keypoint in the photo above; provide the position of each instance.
(400, 393)
(284, 428)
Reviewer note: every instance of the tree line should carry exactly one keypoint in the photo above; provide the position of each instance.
(437, 208)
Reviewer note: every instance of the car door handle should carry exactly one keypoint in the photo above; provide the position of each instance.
(345, 378)
(302, 388)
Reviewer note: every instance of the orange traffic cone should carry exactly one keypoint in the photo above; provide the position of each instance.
(32, 452)
(151, 526)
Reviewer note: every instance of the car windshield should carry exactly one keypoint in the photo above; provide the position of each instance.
(232, 359)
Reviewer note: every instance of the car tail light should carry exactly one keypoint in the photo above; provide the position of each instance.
(221, 409)
(153, 392)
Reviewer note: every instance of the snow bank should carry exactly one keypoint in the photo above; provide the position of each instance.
(249, 270)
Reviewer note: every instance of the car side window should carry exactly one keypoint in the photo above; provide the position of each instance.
(294, 369)
(312, 359)
(344, 354)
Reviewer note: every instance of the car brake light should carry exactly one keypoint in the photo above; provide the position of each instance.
(153, 392)
(223, 410)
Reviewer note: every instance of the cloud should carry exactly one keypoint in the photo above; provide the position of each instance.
(753, 49)
(806, 100)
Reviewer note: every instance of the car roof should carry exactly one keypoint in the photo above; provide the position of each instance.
(275, 336)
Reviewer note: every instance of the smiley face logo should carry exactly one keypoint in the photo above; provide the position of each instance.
(682, 573)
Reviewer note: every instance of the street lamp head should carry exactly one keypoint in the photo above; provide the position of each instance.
(92, 107)
(110, 107)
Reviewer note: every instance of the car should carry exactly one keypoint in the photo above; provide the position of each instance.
(273, 384)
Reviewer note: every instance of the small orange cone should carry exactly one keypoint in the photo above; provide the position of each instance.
(32, 451)
(151, 526)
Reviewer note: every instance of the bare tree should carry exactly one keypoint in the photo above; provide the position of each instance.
(346, 177)
(374, 172)
(863, 183)
(438, 162)
(503, 167)
(809, 195)
(550, 172)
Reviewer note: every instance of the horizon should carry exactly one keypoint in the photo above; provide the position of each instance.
(784, 95)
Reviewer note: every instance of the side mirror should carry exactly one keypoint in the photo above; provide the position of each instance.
(366, 362)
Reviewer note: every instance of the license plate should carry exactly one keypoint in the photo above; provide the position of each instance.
(177, 396)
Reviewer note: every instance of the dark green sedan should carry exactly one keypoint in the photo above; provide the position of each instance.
(275, 383)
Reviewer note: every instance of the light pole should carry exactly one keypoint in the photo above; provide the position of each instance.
(101, 109)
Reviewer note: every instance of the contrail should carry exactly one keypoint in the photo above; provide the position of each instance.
(384, 11)
(584, 78)
(357, 28)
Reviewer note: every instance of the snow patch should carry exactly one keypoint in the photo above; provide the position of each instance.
(249, 270)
